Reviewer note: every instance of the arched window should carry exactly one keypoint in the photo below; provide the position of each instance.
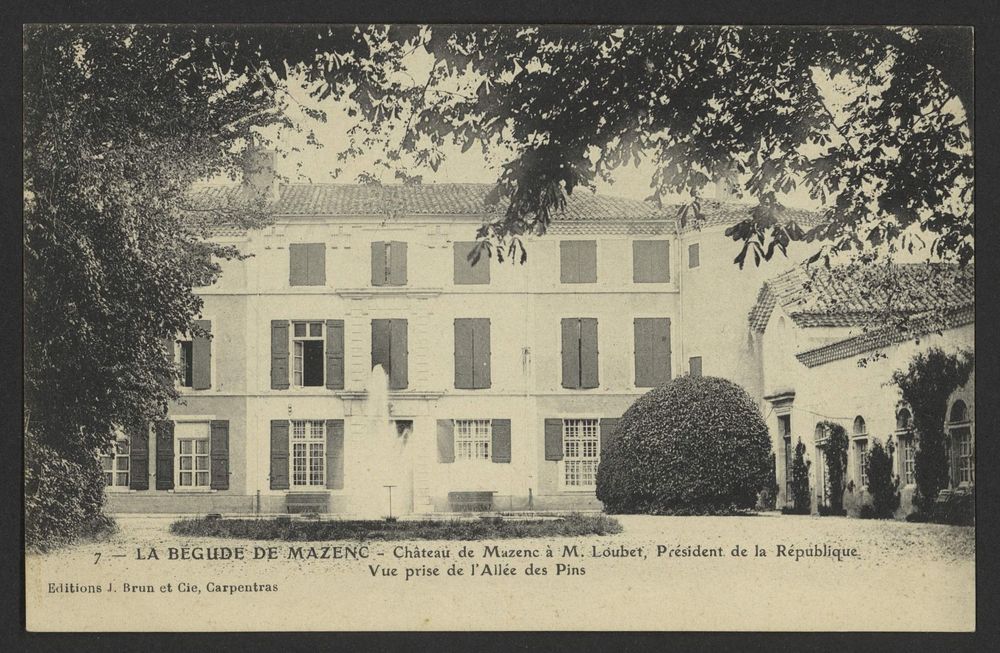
(963, 467)
(820, 434)
(907, 445)
(959, 412)
(861, 451)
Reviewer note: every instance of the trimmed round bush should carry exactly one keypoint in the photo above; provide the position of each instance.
(697, 445)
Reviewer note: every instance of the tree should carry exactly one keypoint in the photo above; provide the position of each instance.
(926, 385)
(883, 485)
(801, 497)
(835, 455)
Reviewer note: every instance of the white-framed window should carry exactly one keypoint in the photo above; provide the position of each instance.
(308, 453)
(909, 459)
(192, 465)
(962, 449)
(581, 452)
(308, 364)
(860, 437)
(116, 465)
(473, 438)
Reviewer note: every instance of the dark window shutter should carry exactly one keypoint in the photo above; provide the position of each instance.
(650, 261)
(465, 271)
(553, 439)
(298, 264)
(652, 352)
(201, 353)
(570, 352)
(609, 426)
(397, 263)
(481, 352)
(500, 446)
(219, 448)
(694, 365)
(165, 455)
(694, 255)
(316, 264)
(567, 261)
(335, 354)
(446, 440)
(378, 263)
(279, 454)
(139, 459)
(279, 354)
(464, 352)
(398, 355)
(381, 341)
(589, 376)
(335, 454)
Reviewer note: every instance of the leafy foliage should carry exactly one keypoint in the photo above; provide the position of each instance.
(801, 497)
(835, 454)
(883, 485)
(697, 445)
(926, 385)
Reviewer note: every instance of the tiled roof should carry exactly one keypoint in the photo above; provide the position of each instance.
(852, 295)
(469, 199)
(916, 326)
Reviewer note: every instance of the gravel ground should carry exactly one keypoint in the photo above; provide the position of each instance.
(903, 577)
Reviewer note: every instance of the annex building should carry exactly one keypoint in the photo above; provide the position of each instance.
(357, 352)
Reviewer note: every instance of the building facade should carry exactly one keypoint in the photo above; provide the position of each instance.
(358, 358)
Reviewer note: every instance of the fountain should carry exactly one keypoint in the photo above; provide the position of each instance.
(383, 458)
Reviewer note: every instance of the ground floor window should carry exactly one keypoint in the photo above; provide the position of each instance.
(581, 452)
(962, 448)
(473, 438)
(308, 453)
(861, 456)
(116, 465)
(909, 447)
(192, 454)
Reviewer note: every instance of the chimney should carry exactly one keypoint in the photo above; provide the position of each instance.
(260, 180)
(727, 186)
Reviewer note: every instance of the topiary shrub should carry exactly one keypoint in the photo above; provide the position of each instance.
(62, 498)
(768, 497)
(801, 499)
(697, 445)
(835, 452)
(883, 485)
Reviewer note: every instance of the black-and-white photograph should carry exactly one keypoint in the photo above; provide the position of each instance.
(498, 327)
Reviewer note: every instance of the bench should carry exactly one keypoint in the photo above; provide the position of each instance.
(471, 501)
(303, 502)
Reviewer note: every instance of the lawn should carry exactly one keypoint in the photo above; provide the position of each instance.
(573, 525)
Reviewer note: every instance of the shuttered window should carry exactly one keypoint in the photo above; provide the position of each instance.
(472, 353)
(578, 261)
(194, 357)
(193, 469)
(652, 351)
(467, 272)
(579, 353)
(390, 350)
(694, 366)
(389, 263)
(650, 261)
(307, 264)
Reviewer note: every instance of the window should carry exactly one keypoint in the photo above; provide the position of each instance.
(472, 439)
(652, 351)
(861, 450)
(116, 465)
(472, 353)
(390, 350)
(694, 255)
(694, 365)
(581, 452)
(909, 459)
(192, 454)
(785, 431)
(307, 354)
(578, 261)
(186, 363)
(467, 272)
(962, 449)
(388, 263)
(579, 353)
(307, 264)
(650, 261)
(308, 453)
